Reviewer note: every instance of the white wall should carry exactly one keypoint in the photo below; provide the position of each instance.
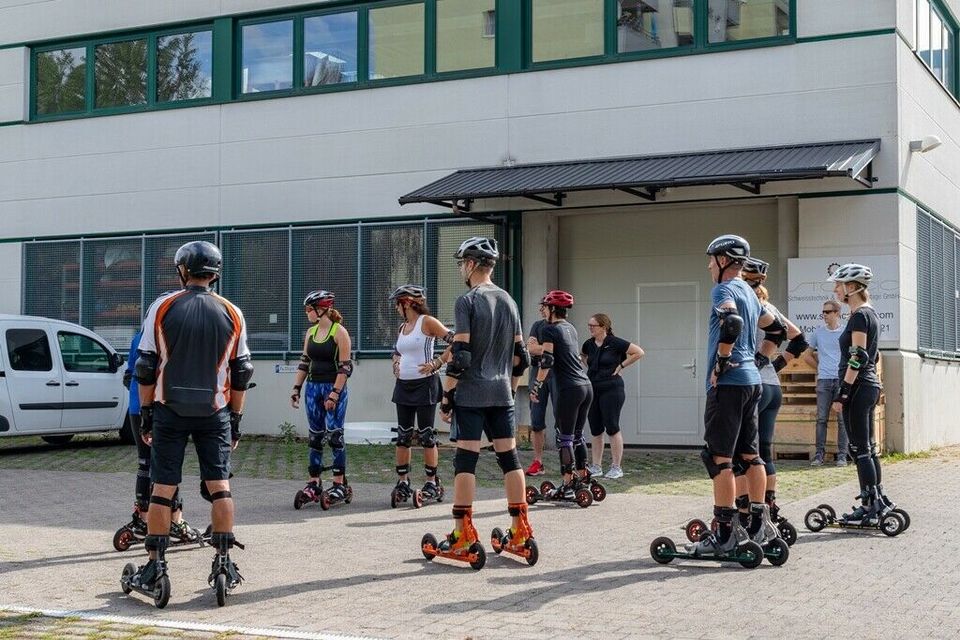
(13, 75)
(825, 17)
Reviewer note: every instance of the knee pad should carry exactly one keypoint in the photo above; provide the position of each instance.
(157, 543)
(427, 437)
(713, 468)
(336, 439)
(403, 469)
(404, 436)
(317, 438)
(739, 466)
(756, 462)
(163, 502)
(508, 460)
(219, 495)
(465, 461)
(742, 502)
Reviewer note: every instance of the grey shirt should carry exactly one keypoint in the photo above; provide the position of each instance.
(491, 318)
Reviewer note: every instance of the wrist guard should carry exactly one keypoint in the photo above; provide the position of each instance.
(843, 393)
(447, 402)
(536, 387)
(722, 365)
(146, 419)
(779, 363)
(761, 360)
(235, 418)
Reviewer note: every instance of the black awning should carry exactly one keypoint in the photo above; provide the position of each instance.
(644, 176)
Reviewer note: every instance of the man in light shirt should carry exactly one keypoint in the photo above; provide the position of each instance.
(824, 355)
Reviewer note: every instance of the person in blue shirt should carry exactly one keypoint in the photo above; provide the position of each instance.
(733, 392)
(824, 356)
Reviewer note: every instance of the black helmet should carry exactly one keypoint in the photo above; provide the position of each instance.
(731, 246)
(408, 291)
(319, 298)
(755, 266)
(199, 258)
(478, 248)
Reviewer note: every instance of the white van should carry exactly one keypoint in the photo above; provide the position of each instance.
(58, 379)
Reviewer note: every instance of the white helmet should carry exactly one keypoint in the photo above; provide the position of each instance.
(852, 272)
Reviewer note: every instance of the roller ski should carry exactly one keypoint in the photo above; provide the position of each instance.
(460, 546)
(583, 490)
(314, 492)
(403, 492)
(517, 541)
(696, 528)
(150, 579)
(135, 532)
(224, 573)
(874, 513)
(738, 548)
(776, 547)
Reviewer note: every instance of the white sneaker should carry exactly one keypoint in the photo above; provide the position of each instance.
(595, 469)
(614, 472)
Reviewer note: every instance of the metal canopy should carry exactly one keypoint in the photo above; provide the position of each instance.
(645, 176)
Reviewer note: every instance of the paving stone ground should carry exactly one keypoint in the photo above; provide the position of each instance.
(357, 569)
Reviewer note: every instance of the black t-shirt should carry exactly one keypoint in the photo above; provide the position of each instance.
(568, 371)
(865, 320)
(536, 332)
(602, 361)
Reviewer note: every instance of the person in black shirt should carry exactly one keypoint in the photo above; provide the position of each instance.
(538, 410)
(606, 356)
(860, 386)
(561, 360)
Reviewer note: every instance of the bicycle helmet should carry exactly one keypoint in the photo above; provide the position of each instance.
(559, 299)
(199, 258)
(478, 248)
(408, 291)
(852, 272)
(319, 299)
(755, 266)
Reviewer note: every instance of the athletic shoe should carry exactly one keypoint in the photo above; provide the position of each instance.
(614, 472)
(535, 468)
(710, 546)
(841, 461)
(595, 469)
(817, 460)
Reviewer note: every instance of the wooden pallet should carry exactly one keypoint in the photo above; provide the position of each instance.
(795, 436)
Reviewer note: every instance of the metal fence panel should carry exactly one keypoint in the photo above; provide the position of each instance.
(51, 277)
(255, 268)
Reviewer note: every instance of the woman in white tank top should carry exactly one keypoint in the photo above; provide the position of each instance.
(417, 391)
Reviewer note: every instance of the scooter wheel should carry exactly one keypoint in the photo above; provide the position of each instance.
(662, 550)
(440, 493)
(598, 491)
(122, 539)
(325, 501)
(496, 540)
(417, 499)
(128, 570)
(428, 541)
(477, 548)
(828, 511)
(903, 514)
(777, 552)
(394, 499)
(584, 498)
(546, 487)
(298, 500)
(788, 532)
(694, 529)
(161, 592)
(892, 524)
(532, 495)
(533, 552)
(815, 520)
(750, 555)
(349, 497)
(220, 586)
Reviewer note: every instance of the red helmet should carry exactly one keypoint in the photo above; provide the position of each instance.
(558, 298)
(319, 299)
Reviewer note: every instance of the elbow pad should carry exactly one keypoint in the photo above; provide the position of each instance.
(521, 353)
(461, 360)
(241, 372)
(776, 331)
(797, 346)
(345, 367)
(858, 357)
(304, 364)
(731, 325)
(146, 368)
(779, 363)
(546, 360)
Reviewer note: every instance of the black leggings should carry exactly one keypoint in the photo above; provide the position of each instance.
(424, 415)
(573, 404)
(608, 399)
(143, 464)
(767, 411)
(858, 419)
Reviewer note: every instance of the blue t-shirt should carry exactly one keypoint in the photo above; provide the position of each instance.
(743, 368)
(134, 408)
(826, 342)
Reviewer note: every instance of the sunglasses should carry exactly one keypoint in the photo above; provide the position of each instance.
(826, 311)
(592, 326)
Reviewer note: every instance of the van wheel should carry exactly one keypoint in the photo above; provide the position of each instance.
(57, 439)
(126, 431)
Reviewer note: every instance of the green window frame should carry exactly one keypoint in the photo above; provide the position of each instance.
(941, 61)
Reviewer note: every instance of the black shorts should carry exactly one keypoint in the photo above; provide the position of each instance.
(473, 422)
(211, 438)
(730, 420)
(419, 392)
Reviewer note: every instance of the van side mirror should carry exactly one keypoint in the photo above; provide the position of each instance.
(116, 361)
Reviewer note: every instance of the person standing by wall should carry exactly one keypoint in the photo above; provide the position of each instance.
(824, 356)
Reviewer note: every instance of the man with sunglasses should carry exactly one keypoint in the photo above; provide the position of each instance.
(824, 355)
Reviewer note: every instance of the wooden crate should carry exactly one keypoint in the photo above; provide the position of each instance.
(795, 435)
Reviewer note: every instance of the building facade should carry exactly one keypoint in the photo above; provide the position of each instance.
(288, 131)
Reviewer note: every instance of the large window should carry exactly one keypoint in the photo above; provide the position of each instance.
(61, 84)
(107, 284)
(82, 354)
(936, 42)
(734, 20)
(466, 34)
(330, 49)
(185, 66)
(266, 62)
(120, 74)
(29, 350)
(644, 24)
(938, 257)
(564, 29)
(396, 41)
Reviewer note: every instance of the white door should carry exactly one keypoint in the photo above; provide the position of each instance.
(92, 388)
(33, 377)
(671, 385)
